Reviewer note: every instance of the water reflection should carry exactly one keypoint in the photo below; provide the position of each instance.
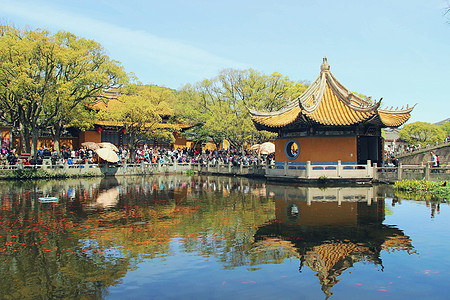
(329, 230)
(101, 229)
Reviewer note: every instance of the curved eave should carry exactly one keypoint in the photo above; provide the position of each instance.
(394, 118)
(277, 121)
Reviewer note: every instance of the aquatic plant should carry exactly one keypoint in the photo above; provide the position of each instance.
(438, 189)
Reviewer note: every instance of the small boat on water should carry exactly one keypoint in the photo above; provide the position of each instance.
(48, 199)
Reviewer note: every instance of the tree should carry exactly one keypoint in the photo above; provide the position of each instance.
(422, 133)
(446, 128)
(85, 72)
(220, 104)
(47, 80)
(139, 110)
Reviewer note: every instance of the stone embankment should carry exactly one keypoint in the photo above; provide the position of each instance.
(308, 172)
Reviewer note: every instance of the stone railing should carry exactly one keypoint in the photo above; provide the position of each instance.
(310, 170)
(280, 171)
(412, 172)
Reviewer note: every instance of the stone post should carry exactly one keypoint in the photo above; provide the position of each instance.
(375, 171)
(338, 170)
(308, 169)
(400, 171)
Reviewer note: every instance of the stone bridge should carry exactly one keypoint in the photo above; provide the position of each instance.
(422, 156)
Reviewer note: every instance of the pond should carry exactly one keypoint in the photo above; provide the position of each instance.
(194, 237)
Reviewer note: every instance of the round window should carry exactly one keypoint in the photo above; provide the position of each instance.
(292, 149)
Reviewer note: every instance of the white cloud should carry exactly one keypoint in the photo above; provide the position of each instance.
(138, 45)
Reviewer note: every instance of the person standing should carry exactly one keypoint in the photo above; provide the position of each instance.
(434, 161)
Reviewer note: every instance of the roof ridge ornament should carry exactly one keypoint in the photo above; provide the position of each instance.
(325, 66)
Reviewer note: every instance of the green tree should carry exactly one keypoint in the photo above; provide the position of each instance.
(85, 73)
(46, 80)
(220, 104)
(139, 110)
(446, 128)
(422, 133)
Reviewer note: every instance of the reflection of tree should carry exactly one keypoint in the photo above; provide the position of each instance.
(67, 250)
(225, 221)
(42, 255)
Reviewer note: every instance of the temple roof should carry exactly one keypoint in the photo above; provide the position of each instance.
(327, 102)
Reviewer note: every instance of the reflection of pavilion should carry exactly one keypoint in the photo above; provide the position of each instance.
(330, 229)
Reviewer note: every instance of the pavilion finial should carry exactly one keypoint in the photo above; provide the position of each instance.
(325, 66)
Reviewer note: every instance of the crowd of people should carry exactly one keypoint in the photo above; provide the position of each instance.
(147, 154)
(198, 156)
(402, 149)
(144, 154)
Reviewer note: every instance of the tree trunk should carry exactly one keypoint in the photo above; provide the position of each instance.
(56, 137)
(34, 142)
(132, 147)
(24, 138)
(217, 145)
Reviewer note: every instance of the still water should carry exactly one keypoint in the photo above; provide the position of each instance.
(195, 237)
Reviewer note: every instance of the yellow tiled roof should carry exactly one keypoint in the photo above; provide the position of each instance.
(393, 119)
(328, 102)
(332, 111)
(160, 125)
(280, 120)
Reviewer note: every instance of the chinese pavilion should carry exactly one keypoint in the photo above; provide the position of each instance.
(329, 123)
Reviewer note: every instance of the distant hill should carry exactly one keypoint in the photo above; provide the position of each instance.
(442, 122)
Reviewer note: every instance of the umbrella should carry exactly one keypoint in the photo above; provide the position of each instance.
(90, 145)
(107, 154)
(267, 148)
(109, 146)
(255, 147)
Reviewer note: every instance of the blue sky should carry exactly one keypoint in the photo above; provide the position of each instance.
(395, 49)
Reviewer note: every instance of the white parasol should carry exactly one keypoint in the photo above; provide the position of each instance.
(267, 148)
(109, 146)
(90, 145)
(255, 147)
(107, 154)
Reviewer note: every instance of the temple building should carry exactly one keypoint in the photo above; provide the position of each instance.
(329, 123)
